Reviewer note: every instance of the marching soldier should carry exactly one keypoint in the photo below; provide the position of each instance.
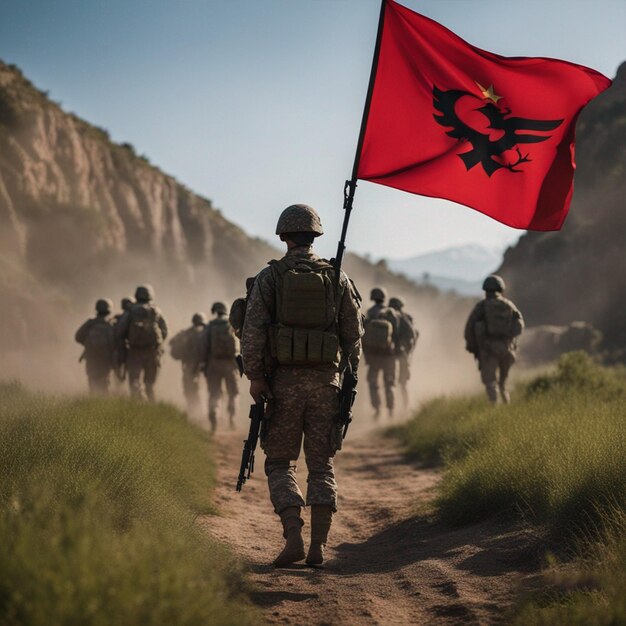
(97, 336)
(185, 347)
(491, 336)
(143, 330)
(218, 352)
(381, 333)
(407, 340)
(299, 325)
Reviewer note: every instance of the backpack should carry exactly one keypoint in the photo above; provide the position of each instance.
(184, 346)
(378, 337)
(223, 342)
(498, 318)
(237, 315)
(144, 331)
(100, 342)
(407, 335)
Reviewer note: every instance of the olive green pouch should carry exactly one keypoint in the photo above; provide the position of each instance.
(330, 348)
(315, 347)
(299, 345)
(284, 344)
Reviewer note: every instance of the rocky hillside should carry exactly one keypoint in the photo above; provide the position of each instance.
(79, 212)
(579, 273)
(82, 217)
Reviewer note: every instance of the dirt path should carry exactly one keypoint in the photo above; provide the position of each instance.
(386, 564)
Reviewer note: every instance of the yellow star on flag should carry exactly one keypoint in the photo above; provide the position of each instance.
(488, 93)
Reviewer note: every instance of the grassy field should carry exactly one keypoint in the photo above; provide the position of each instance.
(557, 457)
(97, 505)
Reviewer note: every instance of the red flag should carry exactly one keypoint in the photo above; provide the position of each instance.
(449, 120)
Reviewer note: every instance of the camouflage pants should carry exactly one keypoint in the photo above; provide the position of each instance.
(191, 387)
(490, 366)
(387, 365)
(404, 375)
(221, 373)
(146, 363)
(301, 408)
(98, 377)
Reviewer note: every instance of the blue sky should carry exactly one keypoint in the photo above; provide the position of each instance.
(256, 104)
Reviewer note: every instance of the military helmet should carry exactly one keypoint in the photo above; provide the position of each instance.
(396, 303)
(299, 218)
(219, 307)
(378, 294)
(104, 306)
(144, 293)
(198, 319)
(493, 283)
(126, 303)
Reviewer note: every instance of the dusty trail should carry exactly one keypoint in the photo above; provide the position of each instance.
(386, 565)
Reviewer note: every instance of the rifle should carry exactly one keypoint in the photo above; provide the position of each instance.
(257, 429)
(347, 395)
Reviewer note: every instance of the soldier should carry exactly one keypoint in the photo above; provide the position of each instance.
(97, 336)
(185, 347)
(407, 339)
(143, 329)
(381, 333)
(121, 350)
(125, 304)
(219, 348)
(302, 323)
(490, 335)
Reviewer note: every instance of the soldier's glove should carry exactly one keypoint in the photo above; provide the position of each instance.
(260, 390)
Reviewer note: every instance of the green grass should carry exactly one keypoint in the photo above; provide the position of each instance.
(97, 505)
(557, 457)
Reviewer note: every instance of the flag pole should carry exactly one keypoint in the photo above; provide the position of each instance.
(349, 188)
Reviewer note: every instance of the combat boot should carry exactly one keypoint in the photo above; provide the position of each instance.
(321, 519)
(292, 532)
(213, 420)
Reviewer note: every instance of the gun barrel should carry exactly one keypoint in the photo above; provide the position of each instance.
(249, 445)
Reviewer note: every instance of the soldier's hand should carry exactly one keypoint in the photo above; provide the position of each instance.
(260, 390)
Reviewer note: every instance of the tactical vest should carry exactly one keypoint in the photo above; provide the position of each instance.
(144, 331)
(305, 326)
(223, 343)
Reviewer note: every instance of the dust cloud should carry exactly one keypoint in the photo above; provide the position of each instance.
(45, 356)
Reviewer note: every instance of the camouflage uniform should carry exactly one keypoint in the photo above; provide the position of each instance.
(98, 363)
(185, 346)
(121, 350)
(140, 361)
(220, 372)
(382, 363)
(305, 397)
(495, 354)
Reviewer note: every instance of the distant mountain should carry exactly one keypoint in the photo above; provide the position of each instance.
(460, 269)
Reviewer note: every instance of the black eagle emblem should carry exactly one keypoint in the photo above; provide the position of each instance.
(484, 150)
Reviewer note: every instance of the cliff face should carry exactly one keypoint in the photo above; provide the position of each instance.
(78, 213)
(579, 273)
